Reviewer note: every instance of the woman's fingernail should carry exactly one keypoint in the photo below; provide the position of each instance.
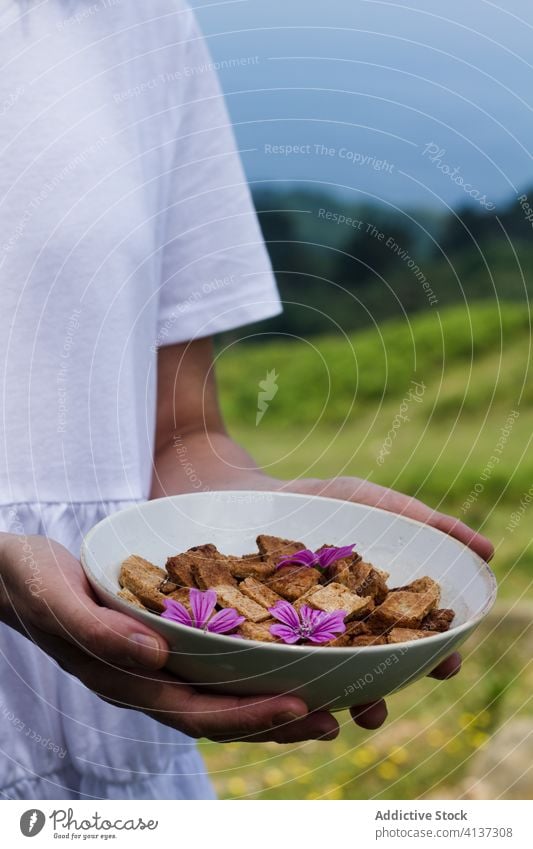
(146, 651)
(285, 717)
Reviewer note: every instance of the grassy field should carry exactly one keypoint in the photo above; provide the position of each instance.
(463, 447)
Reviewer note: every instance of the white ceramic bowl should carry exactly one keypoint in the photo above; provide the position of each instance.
(329, 678)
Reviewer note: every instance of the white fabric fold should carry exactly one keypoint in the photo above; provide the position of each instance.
(56, 737)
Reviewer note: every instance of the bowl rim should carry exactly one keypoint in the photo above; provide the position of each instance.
(228, 640)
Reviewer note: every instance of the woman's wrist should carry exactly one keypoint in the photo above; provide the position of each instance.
(201, 461)
(6, 544)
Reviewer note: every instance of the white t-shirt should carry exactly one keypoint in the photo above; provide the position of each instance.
(125, 224)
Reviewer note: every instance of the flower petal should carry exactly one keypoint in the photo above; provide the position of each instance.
(224, 621)
(202, 605)
(304, 557)
(285, 612)
(328, 626)
(329, 555)
(306, 625)
(322, 626)
(310, 616)
(334, 620)
(287, 634)
(176, 612)
(322, 637)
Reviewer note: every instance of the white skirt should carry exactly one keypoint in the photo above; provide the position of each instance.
(59, 740)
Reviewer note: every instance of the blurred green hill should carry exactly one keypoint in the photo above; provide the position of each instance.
(464, 448)
(345, 267)
(328, 378)
(338, 400)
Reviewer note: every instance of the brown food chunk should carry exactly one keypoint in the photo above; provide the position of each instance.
(208, 551)
(355, 630)
(403, 609)
(251, 566)
(382, 573)
(339, 642)
(350, 571)
(291, 582)
(368, 640)
(358, 628)
(167, 586)
(402, 635)
(304, 599)
(274, 548)
(180, 571)
(259, 593)
(182, 594)
(229, 596)
(366, 626)
(343, 567)
(338, 597)
(438, 620)
(252, 585)
(375, 627)
(202, 566)
(355, 557)
(131, 598)
(258, 631)
(209, 576)
(143, 579)
(421, 585)
(376, 585)
(360, 577)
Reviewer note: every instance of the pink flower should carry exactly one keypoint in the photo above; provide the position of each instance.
(322, 559)
(202, 606)
(313, 625)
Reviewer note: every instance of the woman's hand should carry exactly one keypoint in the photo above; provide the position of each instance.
(188, 406)
(363, 492)
(45, 596)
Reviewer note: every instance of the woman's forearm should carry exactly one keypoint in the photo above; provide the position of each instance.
(4, 604)
(198, 461)
(10, 546)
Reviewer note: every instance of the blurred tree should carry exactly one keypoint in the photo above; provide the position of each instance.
(335, 276)
(376, 250)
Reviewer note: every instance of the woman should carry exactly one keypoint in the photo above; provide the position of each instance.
(128, 240)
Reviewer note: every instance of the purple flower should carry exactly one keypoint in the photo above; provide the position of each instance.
(202, 606)
(322, 559)
(313, 625)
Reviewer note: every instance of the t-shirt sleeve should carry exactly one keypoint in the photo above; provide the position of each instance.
(216, 274)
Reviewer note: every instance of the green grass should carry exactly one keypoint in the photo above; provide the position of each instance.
(329, 380)
(475, 367)
(426, 747)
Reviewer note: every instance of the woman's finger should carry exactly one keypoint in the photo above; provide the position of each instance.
(73, 614)
(363, 492)
(448, 668)
(234, 718)
(371, 715)
(404, 505)
(198, 714)
(65, 606)
(316, 726)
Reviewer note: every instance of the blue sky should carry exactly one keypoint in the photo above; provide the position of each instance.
(401, 95)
